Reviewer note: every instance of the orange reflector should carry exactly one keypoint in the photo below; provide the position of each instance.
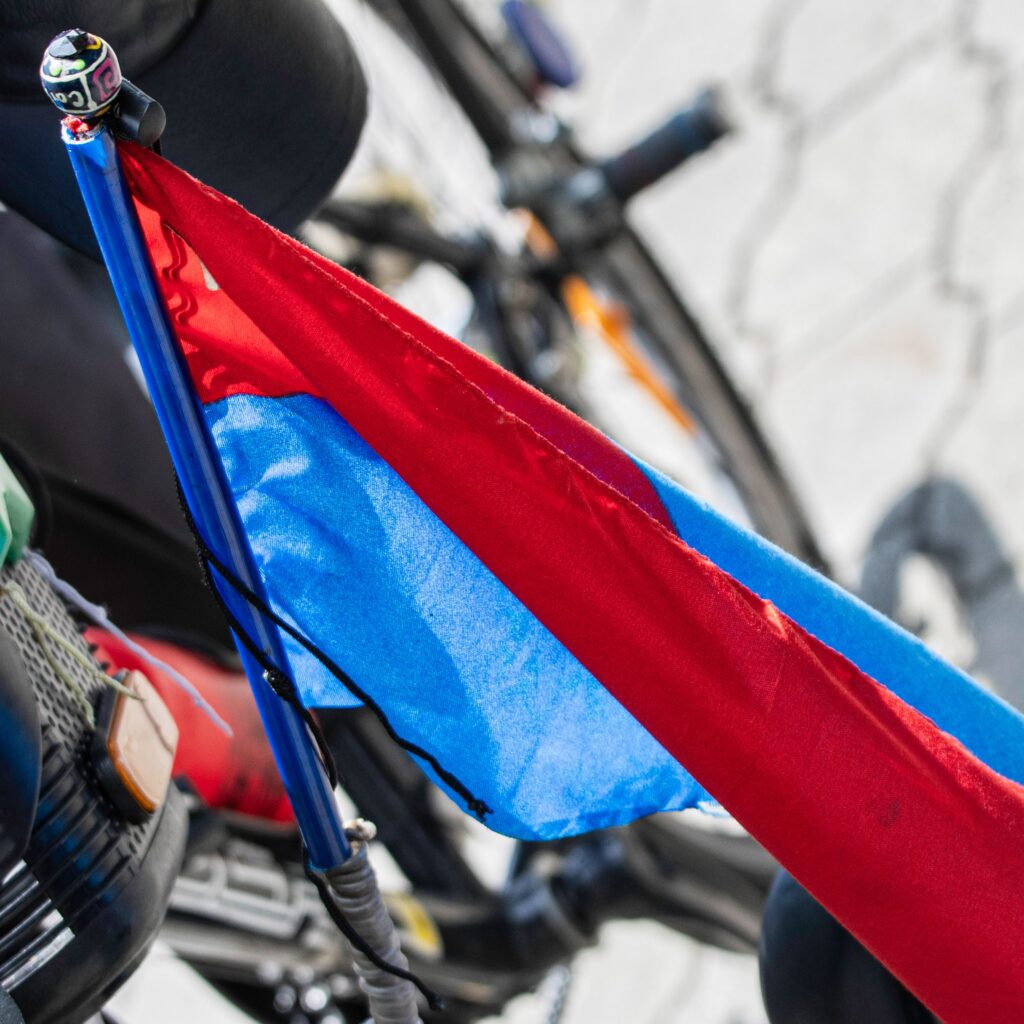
(136, 738)
(612, 325)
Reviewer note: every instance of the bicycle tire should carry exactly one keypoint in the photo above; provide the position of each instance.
(708, 392)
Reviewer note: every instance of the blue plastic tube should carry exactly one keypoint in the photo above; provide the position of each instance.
(94, 159)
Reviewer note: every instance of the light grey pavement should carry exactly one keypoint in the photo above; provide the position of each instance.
(855, 247)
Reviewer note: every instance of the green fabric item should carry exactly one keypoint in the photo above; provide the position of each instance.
(16, 515)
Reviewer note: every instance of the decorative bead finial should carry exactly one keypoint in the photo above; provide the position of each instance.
(80, 74)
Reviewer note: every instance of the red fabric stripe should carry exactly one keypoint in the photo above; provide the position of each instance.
(907, 838)
(228, 354)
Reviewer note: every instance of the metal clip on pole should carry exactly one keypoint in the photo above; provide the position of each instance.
(80, 73)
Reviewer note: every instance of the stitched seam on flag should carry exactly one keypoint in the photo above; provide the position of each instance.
(328, 269)
(304, 255)
(454, 374)
(182, 316)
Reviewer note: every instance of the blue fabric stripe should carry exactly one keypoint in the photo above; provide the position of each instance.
(985, 724)
(369, 573)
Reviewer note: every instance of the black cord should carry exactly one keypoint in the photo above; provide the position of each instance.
(285, 688)
(208, 558)
(281, 684)
(277, 680)
(343, 924)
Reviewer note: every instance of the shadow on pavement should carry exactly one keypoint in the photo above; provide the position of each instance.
(941, 521)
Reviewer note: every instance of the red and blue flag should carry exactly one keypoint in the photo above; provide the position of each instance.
(573, 637)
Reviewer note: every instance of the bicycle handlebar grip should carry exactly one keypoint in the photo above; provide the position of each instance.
(687, 133)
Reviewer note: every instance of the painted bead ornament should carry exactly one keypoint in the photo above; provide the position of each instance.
(80, 73)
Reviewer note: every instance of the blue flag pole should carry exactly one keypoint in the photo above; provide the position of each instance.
(94, 158)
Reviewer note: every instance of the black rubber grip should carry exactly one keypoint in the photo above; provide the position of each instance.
(685, 134)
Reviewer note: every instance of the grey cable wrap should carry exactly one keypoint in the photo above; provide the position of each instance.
(354, 884)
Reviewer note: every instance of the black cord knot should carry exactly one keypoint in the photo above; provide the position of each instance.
(478, 808)
(281, 684)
